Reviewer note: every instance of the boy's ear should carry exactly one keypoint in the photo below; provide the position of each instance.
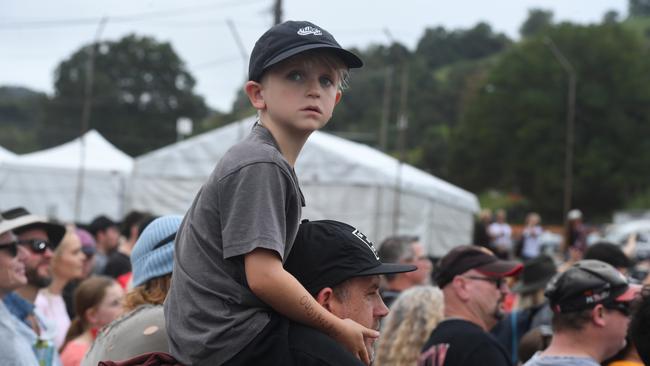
(339, 94)
(253, 90)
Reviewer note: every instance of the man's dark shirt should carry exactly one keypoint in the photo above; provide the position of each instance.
(310, 347)
(458, 342)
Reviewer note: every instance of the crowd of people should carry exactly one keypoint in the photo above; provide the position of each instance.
(242, 279)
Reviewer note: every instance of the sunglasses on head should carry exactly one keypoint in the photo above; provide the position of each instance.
(36, 245)
(11, 247)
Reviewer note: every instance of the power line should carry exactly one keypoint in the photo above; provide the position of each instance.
(71, 22)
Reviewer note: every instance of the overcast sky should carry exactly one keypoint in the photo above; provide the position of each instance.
(35, 35)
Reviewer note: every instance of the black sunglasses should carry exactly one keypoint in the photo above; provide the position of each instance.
(36, 245)
(166, 240)
(624, 308)
(11, 247)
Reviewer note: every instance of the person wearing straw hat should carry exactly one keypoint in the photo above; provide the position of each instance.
(40, 237)
(16, 347)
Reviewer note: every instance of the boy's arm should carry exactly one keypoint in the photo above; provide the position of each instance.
(275, 286)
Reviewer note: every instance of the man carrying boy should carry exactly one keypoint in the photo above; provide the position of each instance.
(340, 267)
(228, 281)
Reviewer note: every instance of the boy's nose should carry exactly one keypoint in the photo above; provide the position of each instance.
(313, 87)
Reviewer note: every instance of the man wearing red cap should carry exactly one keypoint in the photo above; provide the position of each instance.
(472, 280)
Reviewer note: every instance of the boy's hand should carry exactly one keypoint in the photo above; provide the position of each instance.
(352, 336)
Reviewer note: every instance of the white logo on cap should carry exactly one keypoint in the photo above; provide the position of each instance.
(309, 30)
(367, 242)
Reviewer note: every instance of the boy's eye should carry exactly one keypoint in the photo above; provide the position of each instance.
(295, 76)
(326, 81)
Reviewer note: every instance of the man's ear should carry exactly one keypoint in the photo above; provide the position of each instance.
(460, 287)
(324, 297)
(253, 90)
(598, 315)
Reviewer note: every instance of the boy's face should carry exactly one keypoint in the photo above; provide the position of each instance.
(299, 94)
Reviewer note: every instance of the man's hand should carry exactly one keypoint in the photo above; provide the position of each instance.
(352, 336)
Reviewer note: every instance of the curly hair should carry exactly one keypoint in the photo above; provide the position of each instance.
(153, 291)
(413, 315)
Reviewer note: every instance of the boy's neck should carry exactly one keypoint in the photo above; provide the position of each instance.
(290, 142)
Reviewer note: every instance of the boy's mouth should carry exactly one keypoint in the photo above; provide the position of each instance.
(312, 109)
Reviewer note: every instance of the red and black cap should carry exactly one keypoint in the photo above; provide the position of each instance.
(327, 252)
(463, 258)
(291, 38)
(587, 283)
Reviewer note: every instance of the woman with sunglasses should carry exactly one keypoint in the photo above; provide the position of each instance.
(67, 265)
(15, 348)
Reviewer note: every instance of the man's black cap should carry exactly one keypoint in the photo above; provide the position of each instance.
(326, 253)
(23, 221)
(291, 38)
(536, 274)
(609, 253)
(587, 283)
(465, 257)
(101, 223)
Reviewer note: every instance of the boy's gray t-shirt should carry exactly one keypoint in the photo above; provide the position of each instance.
(251, 200)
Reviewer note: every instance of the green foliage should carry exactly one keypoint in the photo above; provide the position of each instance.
(140, 88)
(21, 110)
(537, 22)
(639, 8)
(513, 134)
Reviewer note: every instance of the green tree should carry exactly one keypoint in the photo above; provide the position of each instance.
(140, 88)
(513, 134)
(639, 8)
(538, 21)
(21, 111)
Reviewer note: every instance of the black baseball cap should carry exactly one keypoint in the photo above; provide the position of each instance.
(536, 274)
(608, 253)
(587, 283)
(291, 38)
(465, 257)
(327, 252)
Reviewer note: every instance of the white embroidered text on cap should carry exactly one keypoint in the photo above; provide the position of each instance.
(309, 30)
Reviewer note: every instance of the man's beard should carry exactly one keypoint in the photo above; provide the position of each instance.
(498, 311)
(36, 280)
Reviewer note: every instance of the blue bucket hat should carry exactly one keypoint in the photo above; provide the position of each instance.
(153, 253)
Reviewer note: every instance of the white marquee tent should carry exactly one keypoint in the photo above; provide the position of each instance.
(6, 155)
(341, 180)
(46, 182)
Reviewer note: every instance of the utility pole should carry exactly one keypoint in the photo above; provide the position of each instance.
(277, 12)
(85, 118)
(570, 123)
(240, 46)
(402, 127)
(385, 109)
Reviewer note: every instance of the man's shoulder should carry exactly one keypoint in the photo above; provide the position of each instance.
(542, 360)
(308, 346)
(461, 342)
